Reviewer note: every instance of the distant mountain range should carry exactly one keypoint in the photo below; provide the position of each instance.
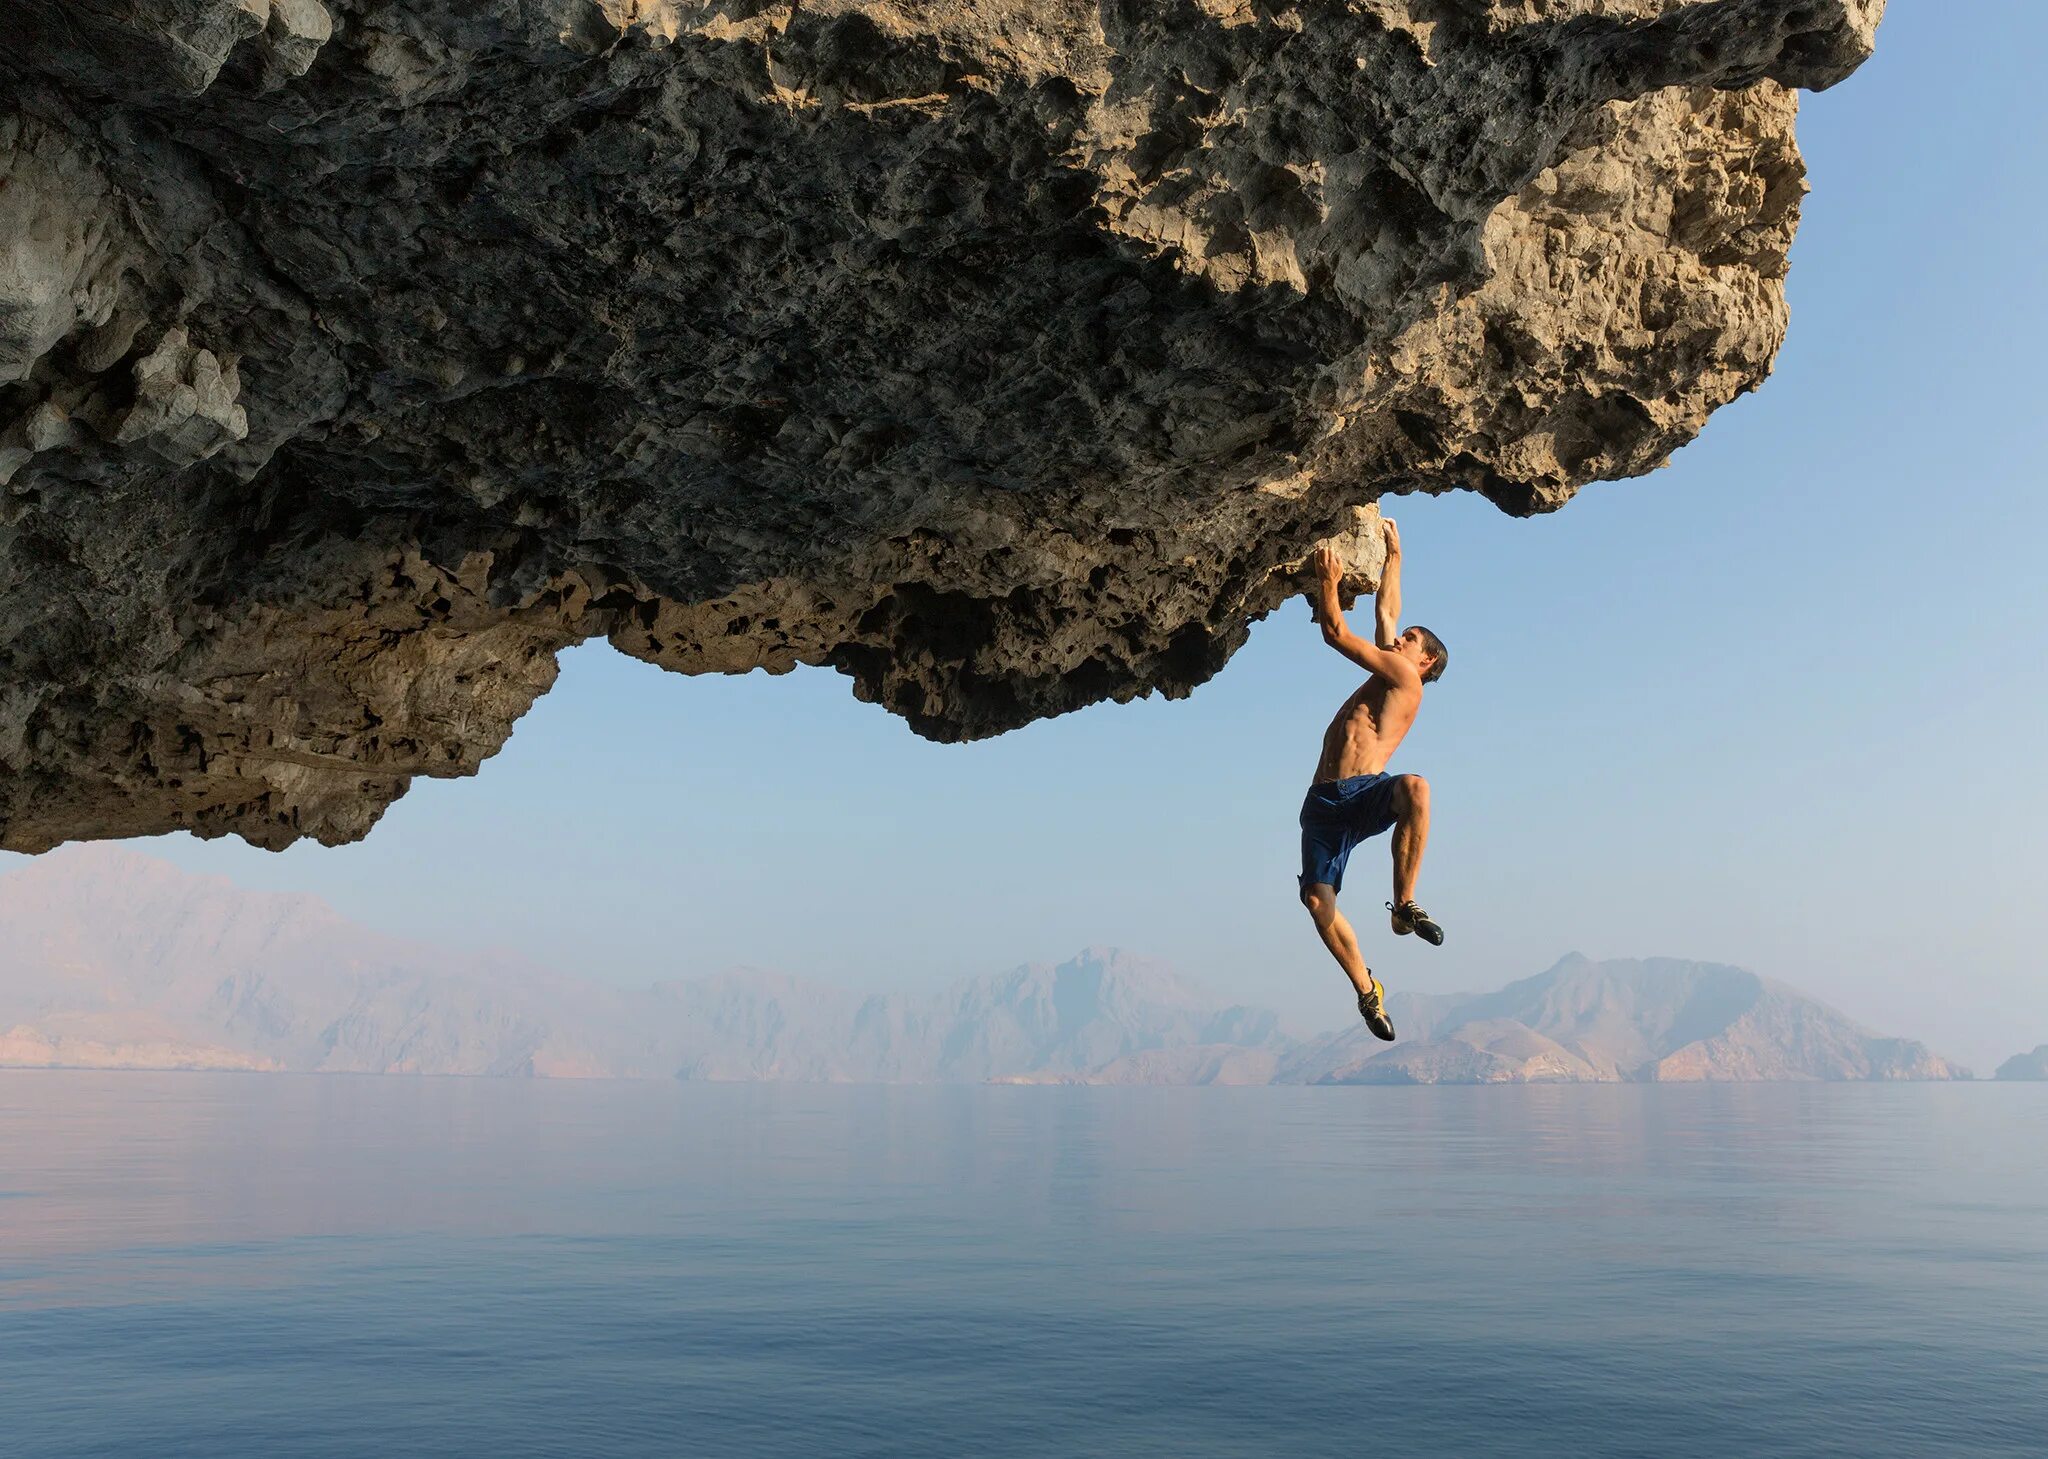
(109, 959)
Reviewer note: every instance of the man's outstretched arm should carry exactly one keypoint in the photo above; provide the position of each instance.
(1371, 657)
(1387, 605)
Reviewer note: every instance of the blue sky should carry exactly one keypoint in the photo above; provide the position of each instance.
(1779, 704)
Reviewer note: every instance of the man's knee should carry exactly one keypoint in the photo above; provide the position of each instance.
(1321, 901)
(1411, 794)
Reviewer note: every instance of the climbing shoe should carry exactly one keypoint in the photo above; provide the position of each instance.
(1410, 918)
(1373, 1009)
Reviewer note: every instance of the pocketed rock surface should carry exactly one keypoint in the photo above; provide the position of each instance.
(356, 357)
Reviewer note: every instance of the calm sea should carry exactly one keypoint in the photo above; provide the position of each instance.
(272, 1266)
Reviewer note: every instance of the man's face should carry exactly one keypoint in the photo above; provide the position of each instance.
(1409, 646)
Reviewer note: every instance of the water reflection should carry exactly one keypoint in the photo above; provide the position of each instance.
(96, 1163)
(1189, 1271)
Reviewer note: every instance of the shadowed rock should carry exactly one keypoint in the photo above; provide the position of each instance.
(355, 358)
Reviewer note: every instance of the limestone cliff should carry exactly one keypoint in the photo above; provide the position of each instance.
(357, 356)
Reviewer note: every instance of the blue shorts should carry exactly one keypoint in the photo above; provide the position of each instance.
(1335, 816)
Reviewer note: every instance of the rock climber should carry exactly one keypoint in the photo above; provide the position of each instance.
(1353, 798)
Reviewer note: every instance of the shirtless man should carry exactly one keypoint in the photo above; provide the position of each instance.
(1353, 798)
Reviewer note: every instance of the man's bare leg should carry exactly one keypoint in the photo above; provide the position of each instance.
(1321, 901)
(1411, 834)
(1331, 926)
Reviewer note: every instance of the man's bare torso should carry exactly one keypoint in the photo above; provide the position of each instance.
(1367, 730)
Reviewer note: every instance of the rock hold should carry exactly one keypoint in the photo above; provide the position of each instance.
(184, 408)
(355, 358)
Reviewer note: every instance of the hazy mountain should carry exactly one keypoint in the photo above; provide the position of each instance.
(112, 959)
(2025, 1066)
(117, 959)
(1637, 1020)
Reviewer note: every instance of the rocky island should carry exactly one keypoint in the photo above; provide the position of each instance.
(2025, 1066)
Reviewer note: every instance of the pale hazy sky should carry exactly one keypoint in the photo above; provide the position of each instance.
(1779, 705)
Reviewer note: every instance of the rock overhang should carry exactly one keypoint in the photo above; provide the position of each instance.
(355, 358)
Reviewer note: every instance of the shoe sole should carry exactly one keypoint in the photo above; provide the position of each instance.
(1433, 938)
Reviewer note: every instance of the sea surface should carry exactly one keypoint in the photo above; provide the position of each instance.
(255, 1265)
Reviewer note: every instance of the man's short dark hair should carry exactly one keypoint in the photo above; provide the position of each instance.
(1434, 647)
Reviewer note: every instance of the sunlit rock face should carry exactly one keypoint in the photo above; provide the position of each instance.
(356, 357)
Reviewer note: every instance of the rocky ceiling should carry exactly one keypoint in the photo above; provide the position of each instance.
(356, 357)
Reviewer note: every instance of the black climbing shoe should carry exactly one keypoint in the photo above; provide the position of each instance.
(1410, 918)
(1374, 1011)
